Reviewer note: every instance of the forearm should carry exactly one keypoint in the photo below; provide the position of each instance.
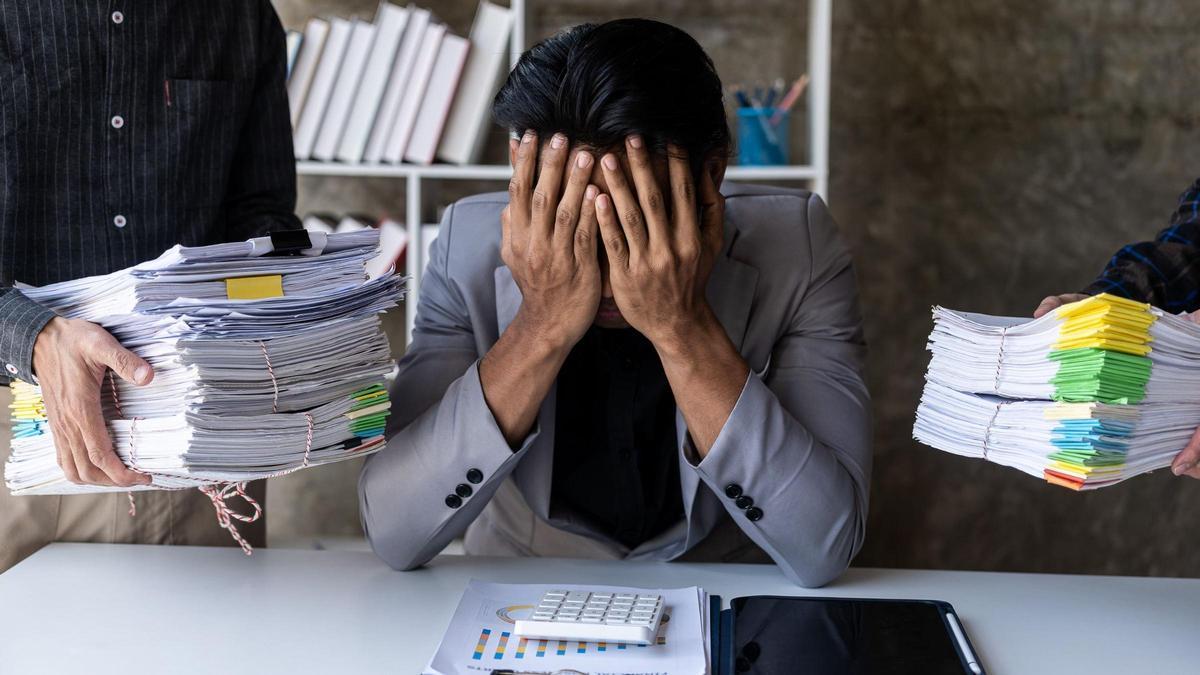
(517, 372)
(706, 375)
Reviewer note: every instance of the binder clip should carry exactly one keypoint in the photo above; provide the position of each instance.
(289, 242)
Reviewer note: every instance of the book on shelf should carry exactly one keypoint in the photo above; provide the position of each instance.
(435, 104)
(349, 76)
(402, 68)
(391, 21)
(400, 88)
(293, 40)
(470, 115)
(300, 76)
(414, 91)
(322, 86)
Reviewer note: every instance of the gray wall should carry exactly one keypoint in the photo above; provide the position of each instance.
(984, 155)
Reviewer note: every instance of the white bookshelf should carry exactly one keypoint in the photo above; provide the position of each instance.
(815, 173)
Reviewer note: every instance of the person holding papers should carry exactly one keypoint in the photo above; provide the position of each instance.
(124, 131)
(617, 360)
(1164, 273)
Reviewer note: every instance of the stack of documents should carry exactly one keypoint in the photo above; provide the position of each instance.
(480, 636)
(262, 364)
(1105, 389)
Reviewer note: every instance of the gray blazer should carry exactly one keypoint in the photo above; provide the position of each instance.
(797, 441)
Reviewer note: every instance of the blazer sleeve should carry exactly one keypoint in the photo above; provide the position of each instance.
(442, 434)
(798, 442)
(21, 320)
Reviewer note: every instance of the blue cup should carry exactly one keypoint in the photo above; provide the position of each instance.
(761, 143)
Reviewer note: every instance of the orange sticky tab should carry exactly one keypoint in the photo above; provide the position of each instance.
(254, 288)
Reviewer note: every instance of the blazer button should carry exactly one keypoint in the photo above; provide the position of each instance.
(733, 490)
(744, 502)
(474, 476)
(453, 501)
(463, 490)
(754, 514)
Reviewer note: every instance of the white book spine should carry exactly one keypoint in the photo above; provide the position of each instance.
(415, 91)
(322, 86)
(301, 76)
(385, 120)
(390, 21)
(470, 115)
(447, 70)
(349, 77)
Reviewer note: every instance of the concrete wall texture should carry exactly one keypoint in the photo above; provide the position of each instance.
(984, 155)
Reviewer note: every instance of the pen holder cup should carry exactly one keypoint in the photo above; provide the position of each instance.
(763, 136)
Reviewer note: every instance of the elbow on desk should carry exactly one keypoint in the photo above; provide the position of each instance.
(385, 531)
(815, 565)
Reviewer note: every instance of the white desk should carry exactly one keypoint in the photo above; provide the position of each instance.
(74, 608)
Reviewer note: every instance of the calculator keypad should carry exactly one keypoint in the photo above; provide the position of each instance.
(613, 609)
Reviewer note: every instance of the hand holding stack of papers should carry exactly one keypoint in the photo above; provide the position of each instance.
(263, 364)
(1110, 389)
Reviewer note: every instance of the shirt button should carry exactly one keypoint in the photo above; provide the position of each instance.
(463, 490)
(119, 221)
(12, 370)
(118, 17)
(453, 501)
(474, 476)
(733, 490)
(744, 502)
(118, 121)
(754, 514)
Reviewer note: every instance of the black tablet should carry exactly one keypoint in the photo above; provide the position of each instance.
(784, 635)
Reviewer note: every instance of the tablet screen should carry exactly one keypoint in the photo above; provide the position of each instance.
(814, 635)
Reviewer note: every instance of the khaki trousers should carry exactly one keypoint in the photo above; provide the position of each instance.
(163, 517)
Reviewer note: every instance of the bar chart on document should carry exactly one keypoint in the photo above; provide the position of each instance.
(481, 637)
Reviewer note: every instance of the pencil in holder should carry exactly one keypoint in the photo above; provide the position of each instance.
(763, 136)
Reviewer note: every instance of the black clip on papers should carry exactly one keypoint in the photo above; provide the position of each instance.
(289, 242)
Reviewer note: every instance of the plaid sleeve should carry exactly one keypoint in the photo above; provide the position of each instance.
(1164, 272)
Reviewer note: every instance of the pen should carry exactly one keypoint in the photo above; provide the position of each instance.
(972, 663)
(790, 99)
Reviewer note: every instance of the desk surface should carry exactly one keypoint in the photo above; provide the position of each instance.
(120, 609)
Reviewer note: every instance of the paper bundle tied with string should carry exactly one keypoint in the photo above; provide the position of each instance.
(268, 357)
(1086, 396)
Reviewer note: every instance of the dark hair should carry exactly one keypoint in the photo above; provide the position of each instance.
(599, 83)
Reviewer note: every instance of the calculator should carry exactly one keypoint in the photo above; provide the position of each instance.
(594, 616)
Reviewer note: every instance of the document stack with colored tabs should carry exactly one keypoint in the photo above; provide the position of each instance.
(1091, 394)
(263, 363)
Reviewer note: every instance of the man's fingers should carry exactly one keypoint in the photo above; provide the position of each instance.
(683, 191)
(62, 448)
(89, 473)
(649, 196)
(520, 186)
(99, 450)
(712, 213)
(1050, 303)
(1189, 458)
(588, 227)
(624, 205)
(566, 218)
(130, 366)
(545, 193)
(615, 245)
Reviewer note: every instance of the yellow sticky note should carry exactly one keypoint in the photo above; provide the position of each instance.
(254, 288)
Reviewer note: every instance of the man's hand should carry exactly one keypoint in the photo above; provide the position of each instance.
(1053, 302)
(658, 262)
(550, 243)
(70, 358)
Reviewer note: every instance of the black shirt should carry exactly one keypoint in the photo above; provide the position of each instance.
(616, 460)
(127, 128)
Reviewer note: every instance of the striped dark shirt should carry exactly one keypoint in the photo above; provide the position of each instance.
(1164, 272)
(128, 127)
